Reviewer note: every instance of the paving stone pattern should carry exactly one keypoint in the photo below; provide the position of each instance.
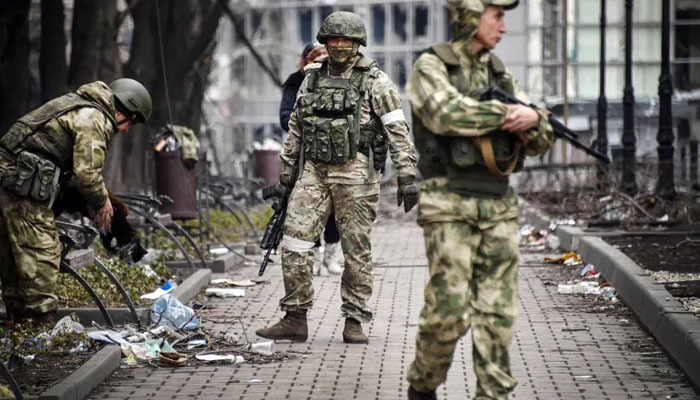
(559, 352)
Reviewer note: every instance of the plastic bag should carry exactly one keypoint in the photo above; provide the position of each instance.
(170, 312)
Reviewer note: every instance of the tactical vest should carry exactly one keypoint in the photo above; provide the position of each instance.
(329, 115)
(39, 150)
(33, 132)
(473, 166)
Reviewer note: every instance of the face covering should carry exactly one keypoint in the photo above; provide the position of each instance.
(340, 56)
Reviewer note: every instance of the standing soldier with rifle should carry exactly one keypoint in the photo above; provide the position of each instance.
(467, 209)
(343, 107)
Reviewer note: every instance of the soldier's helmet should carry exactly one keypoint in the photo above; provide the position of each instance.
(345, 25)
(132, 99)
(480, 5)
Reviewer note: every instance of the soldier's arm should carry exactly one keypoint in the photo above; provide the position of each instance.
(386, 103)
(292, 146)
(540, 138)
(91, 133)
(443, 109)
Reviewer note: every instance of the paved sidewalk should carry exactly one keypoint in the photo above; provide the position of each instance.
(564, 347)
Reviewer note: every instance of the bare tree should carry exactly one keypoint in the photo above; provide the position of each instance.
(53, 69)
(14, 61)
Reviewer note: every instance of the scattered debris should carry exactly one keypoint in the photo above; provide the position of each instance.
(170, 312)
(229, 358)
(225, 292)
(167, 288)
(231, 282)
(570, 258)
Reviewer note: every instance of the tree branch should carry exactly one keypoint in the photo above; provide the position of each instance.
(244, 38)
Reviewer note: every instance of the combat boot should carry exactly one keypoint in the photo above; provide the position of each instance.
(353, 332)
(330, 259)
(413, 394)
(292, 327)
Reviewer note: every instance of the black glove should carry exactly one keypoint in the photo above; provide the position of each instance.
(407, 193)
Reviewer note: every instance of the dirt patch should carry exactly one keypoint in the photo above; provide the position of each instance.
(684, 288)
(45, 370)
(673, 253)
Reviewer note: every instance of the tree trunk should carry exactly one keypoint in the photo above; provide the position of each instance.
(110, 64)
(86, 38)
(14, 61)
(187, 31)
(52, 59)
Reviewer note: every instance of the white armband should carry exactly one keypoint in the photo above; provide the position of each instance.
(296, 245)
(394, 116)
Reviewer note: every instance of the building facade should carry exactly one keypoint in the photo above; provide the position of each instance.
(243, 101)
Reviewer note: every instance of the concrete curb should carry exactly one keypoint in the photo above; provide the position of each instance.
(676, 328)
(189, 288)
(100, 366)
(192, 285)
(80, 383)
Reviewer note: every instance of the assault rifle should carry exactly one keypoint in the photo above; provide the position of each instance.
(275, 226)
(560, 130)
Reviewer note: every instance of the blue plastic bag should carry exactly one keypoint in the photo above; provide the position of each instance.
(169, 311)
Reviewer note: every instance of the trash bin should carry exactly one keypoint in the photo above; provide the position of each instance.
(267, 165)
(178, 182)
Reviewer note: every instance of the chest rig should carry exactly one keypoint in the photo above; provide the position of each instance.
(330, 114)
(473, 166)
(39, 149)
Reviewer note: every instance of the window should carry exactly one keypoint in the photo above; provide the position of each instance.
(420, 22)
(378, 18)
(398, 12)
(305, 33)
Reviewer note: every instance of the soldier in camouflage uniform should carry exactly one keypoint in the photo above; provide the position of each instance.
(65, 141)
(467, 209)
(344, 106)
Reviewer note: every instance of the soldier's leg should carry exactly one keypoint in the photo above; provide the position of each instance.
(308, 209)
(355, 211)
(444, 319)
(8, 272)
(494, 309)
(33, 240)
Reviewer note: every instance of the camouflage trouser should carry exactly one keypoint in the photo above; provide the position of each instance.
(473, 281)
(310, 205)
(30, 253)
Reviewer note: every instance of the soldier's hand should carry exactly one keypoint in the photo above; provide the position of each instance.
(407, 194)
(103, 217)
(520, 118)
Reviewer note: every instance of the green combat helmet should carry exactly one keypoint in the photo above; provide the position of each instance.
(343, 24)
(132, 99)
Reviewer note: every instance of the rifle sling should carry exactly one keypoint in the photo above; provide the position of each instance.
(486, 149)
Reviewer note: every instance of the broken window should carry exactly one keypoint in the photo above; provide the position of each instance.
(305, 16)
(420, 22)
(398, 12)
(378, 18)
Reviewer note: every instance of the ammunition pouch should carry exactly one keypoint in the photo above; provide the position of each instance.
(30, 175)
(372, 137)
(329, 114)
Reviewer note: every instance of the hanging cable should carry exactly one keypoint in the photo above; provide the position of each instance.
(162, 64)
